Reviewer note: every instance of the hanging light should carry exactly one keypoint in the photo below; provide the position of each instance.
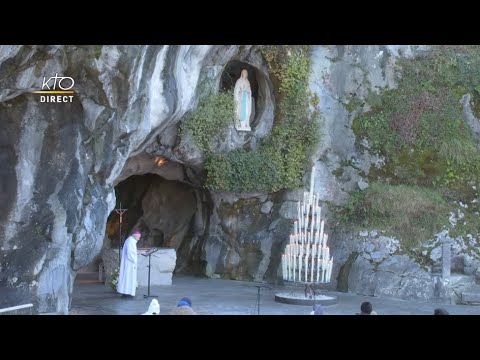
(160, 161)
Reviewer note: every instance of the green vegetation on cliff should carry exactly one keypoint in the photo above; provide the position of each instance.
(209, 120)
(410, 212)
(279, 162)
(429, 149)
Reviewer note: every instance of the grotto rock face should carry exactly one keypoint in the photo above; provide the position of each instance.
(244, 242)
(61, 161)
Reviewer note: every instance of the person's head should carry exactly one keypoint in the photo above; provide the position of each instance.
(137, 235)
(244, 74)
(153, 308)
(317, 309)
(366, 308)
(440, 311)
(185, 301)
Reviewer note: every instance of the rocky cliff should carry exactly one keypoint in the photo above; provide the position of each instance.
(62, 161)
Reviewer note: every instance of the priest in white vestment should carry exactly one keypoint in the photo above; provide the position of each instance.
(127, 279)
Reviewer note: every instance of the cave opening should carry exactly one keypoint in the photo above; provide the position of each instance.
(161, 209)
(170, 214)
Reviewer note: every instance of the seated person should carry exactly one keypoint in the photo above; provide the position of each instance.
(184, 307)
(367, 309)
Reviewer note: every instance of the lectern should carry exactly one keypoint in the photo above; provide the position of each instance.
(149, 254)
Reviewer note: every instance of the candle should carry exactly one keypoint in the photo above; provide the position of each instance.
(298, 212)
(318, 264)
(311, 268)
(305, 266)
(329, 271)
(286, 260)
(306, 261)
(312, 183)
(321, 230)
(325, 263)
(300, 265)
(331, 267)
(290, 261)
(294, 265)
(307, 219)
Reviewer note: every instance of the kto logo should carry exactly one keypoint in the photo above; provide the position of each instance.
(56, 89)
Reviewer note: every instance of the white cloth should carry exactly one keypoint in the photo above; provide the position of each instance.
(153, 309)
(127, 279)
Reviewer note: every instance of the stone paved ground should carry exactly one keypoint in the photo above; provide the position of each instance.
(225, 297)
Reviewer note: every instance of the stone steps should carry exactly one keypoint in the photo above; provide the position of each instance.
(88, 278)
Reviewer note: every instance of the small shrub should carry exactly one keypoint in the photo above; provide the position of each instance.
(114, 279)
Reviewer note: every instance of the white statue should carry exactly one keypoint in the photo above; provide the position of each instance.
(243, 102)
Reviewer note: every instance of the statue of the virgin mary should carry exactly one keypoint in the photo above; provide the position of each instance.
(243, 102)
